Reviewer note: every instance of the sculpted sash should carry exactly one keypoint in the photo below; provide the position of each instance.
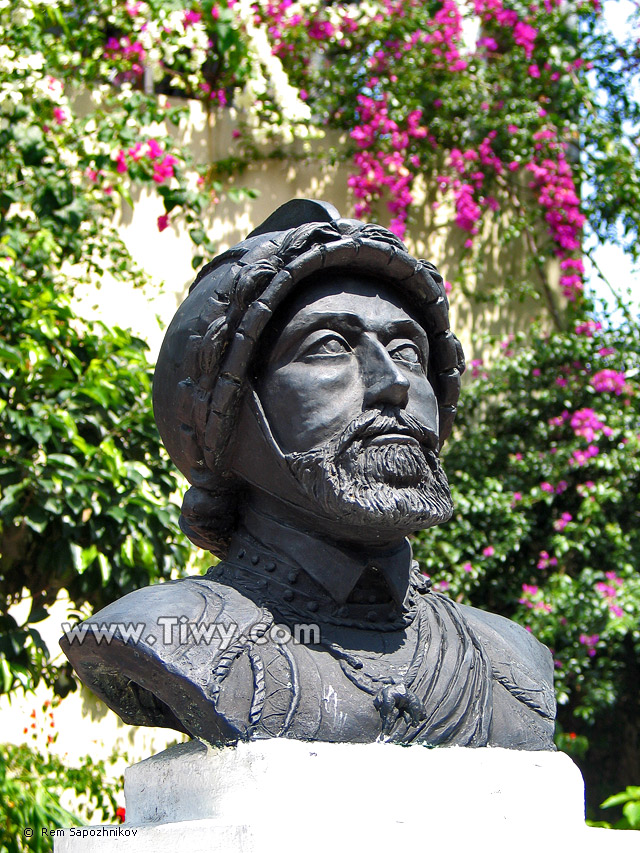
(445, 696)
(453, 680)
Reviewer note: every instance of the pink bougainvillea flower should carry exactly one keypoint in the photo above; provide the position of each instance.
(529, 593)
(581, 457)
(60, 115)
(586, 423)
(137, 151)
(163, 169)
(588, 328)
(475, 364)
(154, 149)
(560, 523)
(545, 561)
(163, 221)
(572, 264)
(525, 36)
(488, 43)
(609, 592)
(191, 17)
(571, 285)
(121, 162)
(559, 419)
(590, 641)
(609, 381)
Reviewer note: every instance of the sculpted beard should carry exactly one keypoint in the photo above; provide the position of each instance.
(393, 486)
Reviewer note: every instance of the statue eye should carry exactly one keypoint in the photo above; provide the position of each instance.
(328, 346)
(407, 352)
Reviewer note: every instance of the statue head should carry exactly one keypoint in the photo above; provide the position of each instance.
(311, 370)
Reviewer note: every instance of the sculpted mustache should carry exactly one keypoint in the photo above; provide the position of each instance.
(374, 423)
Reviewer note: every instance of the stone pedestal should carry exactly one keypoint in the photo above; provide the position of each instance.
(287, 795)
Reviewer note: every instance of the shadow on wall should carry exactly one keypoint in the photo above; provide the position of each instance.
(483, 309)
(480, 306)
(93, 708)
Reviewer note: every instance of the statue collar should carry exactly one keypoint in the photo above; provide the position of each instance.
(336, 570)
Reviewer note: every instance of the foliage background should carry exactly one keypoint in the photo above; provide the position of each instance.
(34, 782)
(521, 119)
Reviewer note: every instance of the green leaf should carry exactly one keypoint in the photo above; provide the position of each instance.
(197, 235)
(632, 813)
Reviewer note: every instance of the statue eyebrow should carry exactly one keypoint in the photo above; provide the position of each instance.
(344, 321)
(316, 319)
(299, 327)
(408, 327)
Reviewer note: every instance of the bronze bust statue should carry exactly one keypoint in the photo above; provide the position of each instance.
(305, 388)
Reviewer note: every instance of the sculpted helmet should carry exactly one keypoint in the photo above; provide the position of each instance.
(207, 359)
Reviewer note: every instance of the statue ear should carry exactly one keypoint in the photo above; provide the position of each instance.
(294, 213)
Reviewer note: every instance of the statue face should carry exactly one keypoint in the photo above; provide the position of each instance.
(349, 346)
(346, 394)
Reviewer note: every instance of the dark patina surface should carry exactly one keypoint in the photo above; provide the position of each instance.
(305, 388)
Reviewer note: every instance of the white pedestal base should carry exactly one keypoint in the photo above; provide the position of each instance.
(287, 795)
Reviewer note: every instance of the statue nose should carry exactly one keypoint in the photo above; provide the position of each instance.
(387, 384)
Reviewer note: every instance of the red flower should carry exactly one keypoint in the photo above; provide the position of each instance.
(120, 814)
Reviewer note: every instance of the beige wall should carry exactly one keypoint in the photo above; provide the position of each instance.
(166, 257)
